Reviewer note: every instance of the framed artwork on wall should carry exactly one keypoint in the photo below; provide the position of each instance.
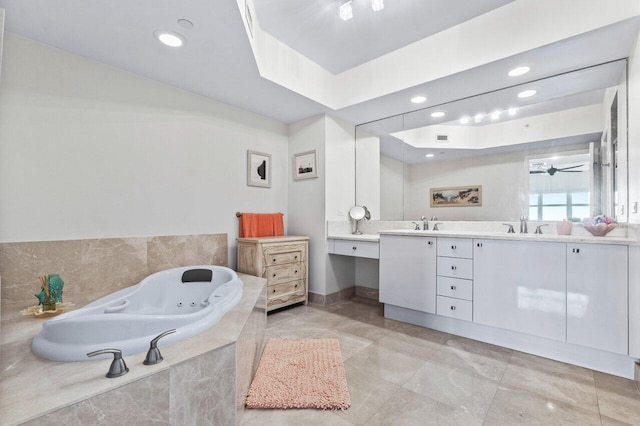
(456, 196)
(258, 169)
(305, 165)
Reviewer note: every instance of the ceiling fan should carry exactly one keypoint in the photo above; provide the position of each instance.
(553, 170)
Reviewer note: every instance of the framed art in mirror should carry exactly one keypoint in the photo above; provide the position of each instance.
(258, 169)
(456, 196)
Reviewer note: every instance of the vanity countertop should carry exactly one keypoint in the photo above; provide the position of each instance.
(32, 386)
(588, 239)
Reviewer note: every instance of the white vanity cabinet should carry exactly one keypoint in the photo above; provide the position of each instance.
(597, 298)
(408, 272)
(455, 278)
(520, 286)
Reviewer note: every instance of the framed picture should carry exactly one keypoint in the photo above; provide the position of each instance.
(457, 196)
(258, 169)
(305, 165)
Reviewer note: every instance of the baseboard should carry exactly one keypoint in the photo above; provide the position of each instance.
(368, 293)
(329, 299)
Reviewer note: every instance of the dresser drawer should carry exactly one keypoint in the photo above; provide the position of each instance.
(455, 287)
(454, 308)
(279, 290)
(455, 268)
(455, 247)
(280, 255)
(367, 249)
(284, 273)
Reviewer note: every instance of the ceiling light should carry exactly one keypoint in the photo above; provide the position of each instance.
(513, 111)
(527, 93)
(377, 5)
(478, 118)
(429, 155)
(464, 120)
(437, 114)
(518, 71)
(346, 12)
(170, 38)
(419, 99)
(495, 115)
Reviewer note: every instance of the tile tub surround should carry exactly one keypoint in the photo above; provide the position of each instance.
(203, 377)
(96, 267)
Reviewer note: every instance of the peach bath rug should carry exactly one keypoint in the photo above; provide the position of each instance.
(300, 373)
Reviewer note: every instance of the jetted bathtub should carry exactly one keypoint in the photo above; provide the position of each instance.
(188, 299)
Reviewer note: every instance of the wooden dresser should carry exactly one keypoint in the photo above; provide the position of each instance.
(283, 261)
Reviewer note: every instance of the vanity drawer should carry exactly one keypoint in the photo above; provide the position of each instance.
(280, 256)
(455, 287)
(286, 293)
(455, 247)
(454, 308)
(455, 268)
(368, 249)
(284, 273)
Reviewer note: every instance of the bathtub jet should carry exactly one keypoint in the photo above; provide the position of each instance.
(190, 299)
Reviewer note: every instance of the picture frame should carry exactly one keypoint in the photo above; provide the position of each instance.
(456, 196)
(258, 169)
(305, 165)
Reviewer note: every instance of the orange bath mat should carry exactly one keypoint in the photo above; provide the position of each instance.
(300, 373)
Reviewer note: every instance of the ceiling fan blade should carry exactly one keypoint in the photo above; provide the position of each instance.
(571, 167)
(570, 171)
(535, 172)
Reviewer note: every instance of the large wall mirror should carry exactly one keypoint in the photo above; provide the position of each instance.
(560, 153)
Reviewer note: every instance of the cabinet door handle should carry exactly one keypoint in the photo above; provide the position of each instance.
(453, 308)
(479, 245)
(453, 268)
(453, 247)
(453, 287)
(576, 250)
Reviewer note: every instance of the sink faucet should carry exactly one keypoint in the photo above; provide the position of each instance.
(523, 225)
(425, 223)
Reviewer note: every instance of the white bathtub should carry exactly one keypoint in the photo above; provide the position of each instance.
(128, 319)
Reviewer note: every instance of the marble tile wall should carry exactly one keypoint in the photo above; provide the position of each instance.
(92, 268)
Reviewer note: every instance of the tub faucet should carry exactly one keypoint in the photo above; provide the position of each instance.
(118, 367)
(523, 225)
(153, 355)
(425, 223)
(417, 228)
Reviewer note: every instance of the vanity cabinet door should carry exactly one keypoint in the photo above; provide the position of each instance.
(597, 311)
(520, 286)
(408, 272)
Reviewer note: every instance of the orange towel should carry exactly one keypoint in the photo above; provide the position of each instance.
(261, 225)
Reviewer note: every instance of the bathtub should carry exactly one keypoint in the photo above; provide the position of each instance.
(128, 319)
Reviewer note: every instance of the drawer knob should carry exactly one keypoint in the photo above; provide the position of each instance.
(453, 247)
(453, 268)
(453, 308)
(274, 259)
(295, 257)
(576, 250)
(274, 275)
(453, 287)
(296, 271)
(354, 247)
(430, 243)
(295, 286)
(274, 291)
(479, 245)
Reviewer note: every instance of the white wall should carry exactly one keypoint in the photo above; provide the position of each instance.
(89, 151)
(634, 131)
(391, 188)
(504, 179)
(368, 173)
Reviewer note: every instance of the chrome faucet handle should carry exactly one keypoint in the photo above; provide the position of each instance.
(510, 230)
(118, 367)
(417, 228)
(538, 230)
(435, 226)
(153, 355)
(425, 223)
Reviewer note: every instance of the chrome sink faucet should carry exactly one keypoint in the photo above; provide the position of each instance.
(425, 223)
(523, 225)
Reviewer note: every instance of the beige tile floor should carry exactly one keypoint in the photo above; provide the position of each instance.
(401, 374)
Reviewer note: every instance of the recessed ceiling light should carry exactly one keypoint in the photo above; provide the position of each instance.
(478, 118)
(170, 38)
(527, 93)
(437, 114)
(346, 12)
(495, 115)
(429, 155)
(377, 5)
(518, 71)
(513, 111)
(419, 99)
(464, 120)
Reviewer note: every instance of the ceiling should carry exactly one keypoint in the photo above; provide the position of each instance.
(218, 61)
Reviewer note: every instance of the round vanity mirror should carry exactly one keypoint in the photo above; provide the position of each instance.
(357, 213)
